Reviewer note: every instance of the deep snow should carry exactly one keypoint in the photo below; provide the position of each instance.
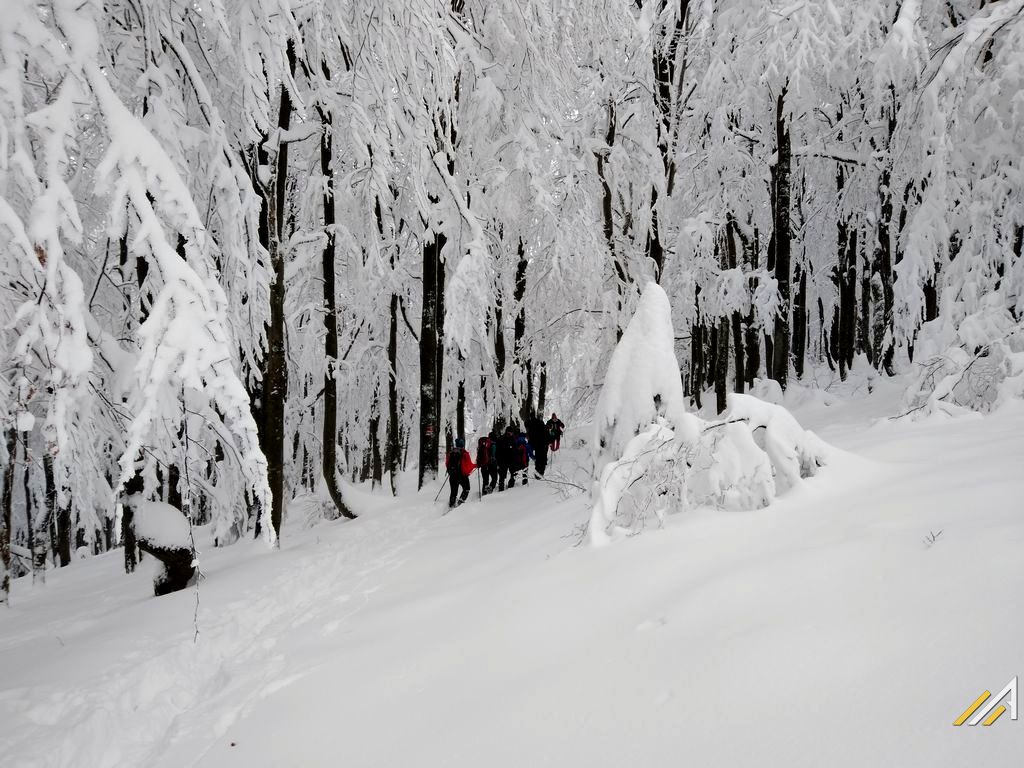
(822, 630)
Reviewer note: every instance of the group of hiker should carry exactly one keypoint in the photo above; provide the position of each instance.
(500, 458)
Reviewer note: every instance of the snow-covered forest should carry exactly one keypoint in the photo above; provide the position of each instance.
(253, 250)
(263, 262)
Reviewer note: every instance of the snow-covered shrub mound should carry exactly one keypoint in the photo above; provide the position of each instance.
(651, 457)
(977, 364)
(794, 452)
(727, 469)
(162, 531)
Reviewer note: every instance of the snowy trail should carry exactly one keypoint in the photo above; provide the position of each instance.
(152, 681)
(817, 631)
(770, 637)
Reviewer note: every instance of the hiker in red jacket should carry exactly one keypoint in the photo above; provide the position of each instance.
(459, 465)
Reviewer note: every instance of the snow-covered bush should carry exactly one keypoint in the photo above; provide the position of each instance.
(976, 365)
(644, 458)
(651, 457)
(729, 469)
(794, 452)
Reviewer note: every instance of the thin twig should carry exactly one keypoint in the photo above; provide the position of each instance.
(561, 482)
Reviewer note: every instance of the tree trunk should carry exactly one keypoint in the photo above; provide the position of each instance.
(711, 355)
(6, 503)
(737, 344)
(837, 337)
(608, 221)
(57, 516)
(177, 564)
(655, 250)
(64, 533)
(800, 321)
(734, 247)
(752, 339)
(329, 466)
(108, 538)
(864, 318)
(523, 363)
(882, 282)
(848, 303)
(134, 487)
(697, 354)
(430, 357)
(255, 159)
(663, 62)
(542, 389)
(499, 362)
(178, 569)
(752, 336)
(782, 239)
(882, 342)
(173, 494)
(393, 447)
(722, 364)
(526, 408)
(460, 410)
(931, 299)
(44, 519)
(38, 573)
(376, 462)
(275, 383)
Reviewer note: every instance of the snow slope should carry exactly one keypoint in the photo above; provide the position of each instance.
(822, 630)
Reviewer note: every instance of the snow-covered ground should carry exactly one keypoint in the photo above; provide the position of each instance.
(846, 625)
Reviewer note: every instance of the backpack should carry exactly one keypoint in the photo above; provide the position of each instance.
(522, 461)
(506, 449)
(467, 464)
(454, 463)
(483, 451)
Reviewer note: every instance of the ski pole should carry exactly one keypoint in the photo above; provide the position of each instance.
(439, 490)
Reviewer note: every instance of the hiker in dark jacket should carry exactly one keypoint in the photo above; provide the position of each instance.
(487, 461)
(504, 456)
(459, 465)
(555, 430)
(537, 433)
(506, 449)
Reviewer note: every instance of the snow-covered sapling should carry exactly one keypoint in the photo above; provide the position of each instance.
(652, 457)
